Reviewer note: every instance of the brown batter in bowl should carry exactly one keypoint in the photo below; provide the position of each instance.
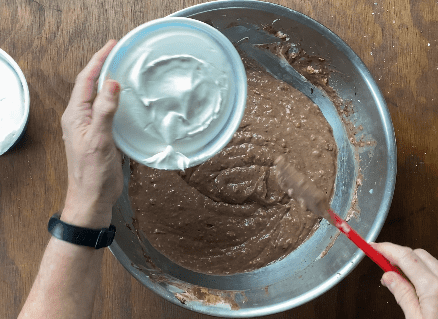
(357, 113)
(228, 215)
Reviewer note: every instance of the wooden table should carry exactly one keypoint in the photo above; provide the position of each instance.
(52, 40)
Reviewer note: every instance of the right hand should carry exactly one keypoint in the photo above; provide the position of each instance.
(421, 300)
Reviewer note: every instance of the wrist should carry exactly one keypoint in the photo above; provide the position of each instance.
(86, 221)
(86, 213)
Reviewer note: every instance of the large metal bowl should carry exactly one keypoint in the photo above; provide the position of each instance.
(303, 275)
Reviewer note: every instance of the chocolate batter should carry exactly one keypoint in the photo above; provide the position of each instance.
(228, 215)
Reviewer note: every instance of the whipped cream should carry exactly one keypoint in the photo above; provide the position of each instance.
(178, 91)
(182, 95)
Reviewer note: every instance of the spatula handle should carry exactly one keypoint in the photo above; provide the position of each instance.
(377, 257)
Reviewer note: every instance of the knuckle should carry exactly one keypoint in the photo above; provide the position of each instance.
(398, 253)
(108, 147)
(104, 101)
(404, 295)
(105, 108)
(95, 56)
(108, 109)
(83, 76)
(102, 143)
(420, 252)
(79, 77)
(405, 251)
(64, 120)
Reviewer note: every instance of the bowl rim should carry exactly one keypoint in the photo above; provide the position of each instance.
(26, 96)
(391, 161)
(237, 97)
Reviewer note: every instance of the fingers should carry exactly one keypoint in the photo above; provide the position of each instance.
(421, 268)
(411, 264)
(428, 259)
(83, 90)
(105, 106)
(404, 294)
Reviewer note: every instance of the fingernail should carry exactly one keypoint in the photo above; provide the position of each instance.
(115, 89)
(388, 283)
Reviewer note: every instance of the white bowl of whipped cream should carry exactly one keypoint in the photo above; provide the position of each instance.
(14, 102)
(183, 92)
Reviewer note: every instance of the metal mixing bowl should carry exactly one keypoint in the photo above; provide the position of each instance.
(303, 275)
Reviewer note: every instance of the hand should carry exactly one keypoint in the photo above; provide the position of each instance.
(95, 178)
(421, 300)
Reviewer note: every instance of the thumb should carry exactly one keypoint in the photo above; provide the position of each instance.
(105, 106)
(404, 294)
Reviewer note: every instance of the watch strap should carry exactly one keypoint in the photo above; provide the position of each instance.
(97, 238)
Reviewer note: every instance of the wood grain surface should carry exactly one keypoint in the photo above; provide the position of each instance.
(52, 40)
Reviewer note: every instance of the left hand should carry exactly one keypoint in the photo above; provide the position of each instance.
(95, 178)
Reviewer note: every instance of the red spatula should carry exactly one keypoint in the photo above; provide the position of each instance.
(302, 189)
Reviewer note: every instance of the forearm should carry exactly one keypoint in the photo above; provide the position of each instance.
(66, 283)
(67, 280)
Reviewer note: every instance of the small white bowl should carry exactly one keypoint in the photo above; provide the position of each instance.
(183, 92)
(14, 102)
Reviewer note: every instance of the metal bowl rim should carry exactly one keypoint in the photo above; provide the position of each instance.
(237, 110)
(391, 159)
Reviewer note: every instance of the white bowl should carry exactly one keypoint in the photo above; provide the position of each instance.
(14, 102)
(152, 130)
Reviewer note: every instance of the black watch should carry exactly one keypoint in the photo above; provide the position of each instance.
(97, 238)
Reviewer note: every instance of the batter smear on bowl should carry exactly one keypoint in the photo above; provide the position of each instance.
(228, 215)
